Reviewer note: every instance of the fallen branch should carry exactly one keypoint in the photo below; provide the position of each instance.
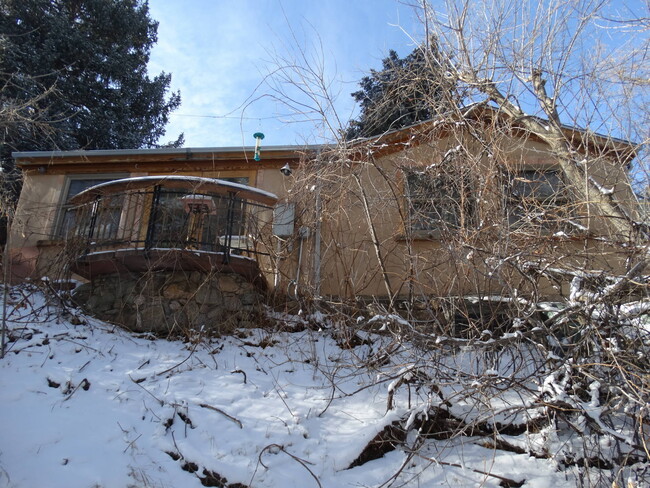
(504, 481)
(218, 410)
(137, 382)
(240, 371)
(131, 443)
(84, 385)
(182, 362)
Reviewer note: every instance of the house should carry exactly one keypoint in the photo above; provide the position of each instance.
(431, 211)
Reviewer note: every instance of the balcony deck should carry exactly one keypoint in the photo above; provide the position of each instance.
(140, 260)
(168, 223)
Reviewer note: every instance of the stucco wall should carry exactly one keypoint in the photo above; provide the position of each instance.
(353, 264)
(37, 209)
(34, 219)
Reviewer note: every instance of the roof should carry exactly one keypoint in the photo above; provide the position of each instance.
(182, 152)
(160, 155)
(621, 149)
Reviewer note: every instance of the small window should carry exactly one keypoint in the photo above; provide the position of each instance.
(538, 199)
(437, 200)
(540, 185)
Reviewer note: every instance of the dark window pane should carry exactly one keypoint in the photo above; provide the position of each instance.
(435, 200)
(538, 199)
(537, 184)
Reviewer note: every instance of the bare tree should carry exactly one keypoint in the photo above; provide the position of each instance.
(16, 116)
(569, 80)
(551, 60)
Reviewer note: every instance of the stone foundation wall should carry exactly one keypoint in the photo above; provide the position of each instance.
(173, 302)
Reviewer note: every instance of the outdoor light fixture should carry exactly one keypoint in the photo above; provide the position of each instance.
(258, 142)
(286, 170)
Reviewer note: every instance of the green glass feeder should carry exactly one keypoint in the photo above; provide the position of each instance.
(258, 142)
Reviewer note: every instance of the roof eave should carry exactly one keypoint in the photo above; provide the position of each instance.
(26, 158)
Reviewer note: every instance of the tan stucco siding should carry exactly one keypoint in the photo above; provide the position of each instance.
(446, 265)
(37, 210)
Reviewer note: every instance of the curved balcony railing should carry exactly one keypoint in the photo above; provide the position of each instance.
(202, 215)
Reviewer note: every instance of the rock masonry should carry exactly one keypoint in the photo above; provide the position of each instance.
(173, 302)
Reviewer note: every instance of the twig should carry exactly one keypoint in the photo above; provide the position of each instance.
(144, 364)
(508, 481)
(302, 462)
(5, 299)
(406, 462)
(183, 361)
(131, 443)
(176, 446)
(86, 346)
(331, 399)
(6, 269)
(391, 392)
(218, 410)
(162, 403)
(239, 371)
(84, 384)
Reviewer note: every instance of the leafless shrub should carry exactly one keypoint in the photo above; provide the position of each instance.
(503, 238)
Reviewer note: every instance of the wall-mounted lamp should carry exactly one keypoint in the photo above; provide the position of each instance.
(258, 142)
(286, 170)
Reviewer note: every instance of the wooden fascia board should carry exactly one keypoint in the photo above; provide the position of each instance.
(146, 164)
(143, 156)
(151, 167)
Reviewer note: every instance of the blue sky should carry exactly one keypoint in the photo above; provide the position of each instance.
(218, 52)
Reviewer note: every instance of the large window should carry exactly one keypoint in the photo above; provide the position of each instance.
(199, 221)
(538, 199)
(437, 200)
(108, 215)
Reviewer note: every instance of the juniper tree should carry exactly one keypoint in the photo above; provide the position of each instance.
(405, 91)
(77, 69)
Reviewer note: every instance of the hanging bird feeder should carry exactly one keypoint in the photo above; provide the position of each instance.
(258, 142)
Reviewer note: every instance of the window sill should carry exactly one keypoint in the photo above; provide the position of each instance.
(421, 235)
(559, 235)
(49, 242)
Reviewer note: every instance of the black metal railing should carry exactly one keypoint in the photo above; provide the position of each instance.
(168, 218)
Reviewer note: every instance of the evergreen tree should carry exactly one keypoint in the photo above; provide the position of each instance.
(75, 71)
(405, 91)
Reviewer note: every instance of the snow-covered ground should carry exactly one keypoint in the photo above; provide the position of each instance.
(86, 404)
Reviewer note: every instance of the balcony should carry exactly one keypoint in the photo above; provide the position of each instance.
(154, 223)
